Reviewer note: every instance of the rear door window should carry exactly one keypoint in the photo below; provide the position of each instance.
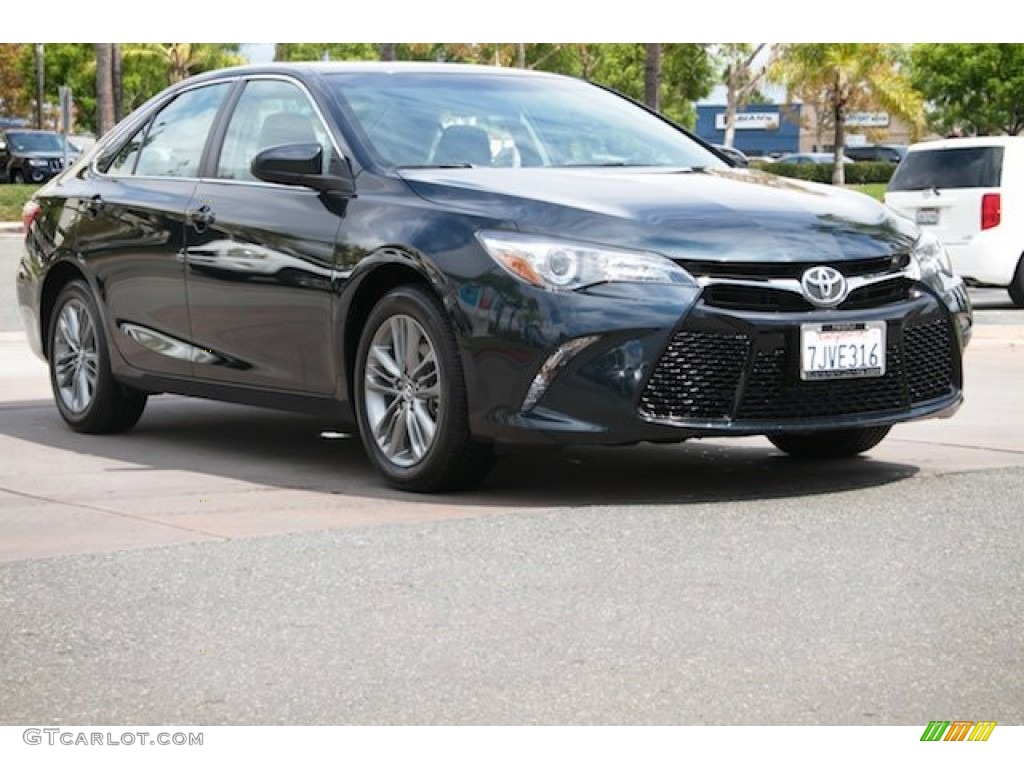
(174, 143)
(960, 168)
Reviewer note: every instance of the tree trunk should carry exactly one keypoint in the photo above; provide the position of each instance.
(117, 83)
(387, 52)
(652, 76)
(838, 139)
(521, 55)
(40, 82)
(731, 97)
(104, 88)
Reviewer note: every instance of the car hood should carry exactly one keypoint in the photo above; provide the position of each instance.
(723, 214)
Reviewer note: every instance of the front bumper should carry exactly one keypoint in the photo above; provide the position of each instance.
(679, 367)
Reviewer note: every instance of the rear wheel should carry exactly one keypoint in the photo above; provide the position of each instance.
(1016, 287)
(87, 395)
(410, 397)
(832, 444)
(17, 177)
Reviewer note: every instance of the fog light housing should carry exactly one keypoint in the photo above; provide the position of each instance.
(555, 363)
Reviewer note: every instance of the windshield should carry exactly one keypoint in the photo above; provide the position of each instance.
(37, 142)
(500, 120)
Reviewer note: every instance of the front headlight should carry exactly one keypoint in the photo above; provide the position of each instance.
(930, 258)
(39, 163)
(565, 265)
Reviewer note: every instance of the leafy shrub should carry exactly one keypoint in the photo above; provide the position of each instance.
(856, 173)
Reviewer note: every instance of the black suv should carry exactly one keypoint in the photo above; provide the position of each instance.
(876, 153)
(32, 156)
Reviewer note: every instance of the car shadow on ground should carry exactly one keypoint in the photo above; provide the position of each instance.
(288, 451)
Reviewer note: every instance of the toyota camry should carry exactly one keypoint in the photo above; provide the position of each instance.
(449, 258)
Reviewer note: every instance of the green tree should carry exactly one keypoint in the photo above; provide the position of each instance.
(851, 77)
(330, 51)
(181, 60)
(971, 87)
(14, 100)
(146, 69)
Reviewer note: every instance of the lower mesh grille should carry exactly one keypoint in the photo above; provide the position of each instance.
(721, 376)
(697, 377)
(929, 361)
(771, 394)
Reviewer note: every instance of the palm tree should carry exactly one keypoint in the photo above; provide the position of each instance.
(104, 87)
(652, 76)
(851, 77)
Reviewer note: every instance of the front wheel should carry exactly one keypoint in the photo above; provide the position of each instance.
(831, 444)
(410, 397)
(87, 395)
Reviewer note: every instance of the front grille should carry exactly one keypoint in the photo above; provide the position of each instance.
(706, 376)
(721, 292)
(771, 394)
(792, 270)
(930, 361)
(697, 376)
(754, 299)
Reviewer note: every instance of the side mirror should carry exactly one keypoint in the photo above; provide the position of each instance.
(300, 165)
(3, 145)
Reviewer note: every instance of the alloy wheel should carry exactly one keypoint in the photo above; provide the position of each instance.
(75, 357)
(402, 392)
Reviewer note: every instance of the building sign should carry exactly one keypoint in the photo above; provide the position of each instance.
(867, 120)
(750, 121)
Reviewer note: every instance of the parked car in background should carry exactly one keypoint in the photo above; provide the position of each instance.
(818, 158)
(28, 156)
(876, 153)
(446, 258)
(738, 158)
(969, 193)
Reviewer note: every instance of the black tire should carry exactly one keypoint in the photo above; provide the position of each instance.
(87, 395)
(412, 412)
(832, 444)
(17, 177)
(1016, 288)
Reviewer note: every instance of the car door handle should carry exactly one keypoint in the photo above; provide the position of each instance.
(94, 206)
(201, 217)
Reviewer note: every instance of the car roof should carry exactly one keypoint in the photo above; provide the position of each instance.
(364, 67)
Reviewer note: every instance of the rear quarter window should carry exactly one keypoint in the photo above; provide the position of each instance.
(957, 168)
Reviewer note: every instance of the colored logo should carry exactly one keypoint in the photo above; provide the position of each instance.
(958, 730)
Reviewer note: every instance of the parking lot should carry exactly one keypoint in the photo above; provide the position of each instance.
(227, 565)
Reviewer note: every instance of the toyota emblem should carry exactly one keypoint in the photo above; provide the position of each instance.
(824, 286)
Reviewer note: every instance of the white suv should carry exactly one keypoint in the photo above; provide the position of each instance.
(959, 189)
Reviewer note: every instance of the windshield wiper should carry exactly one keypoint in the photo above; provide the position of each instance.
(434, 165)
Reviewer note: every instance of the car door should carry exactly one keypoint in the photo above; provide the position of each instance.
(260, 256)
(131, 231)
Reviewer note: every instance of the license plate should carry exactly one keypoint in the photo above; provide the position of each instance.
(927, 215)
(842, 350)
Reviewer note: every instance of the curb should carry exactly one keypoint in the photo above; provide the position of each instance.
(10, 226)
